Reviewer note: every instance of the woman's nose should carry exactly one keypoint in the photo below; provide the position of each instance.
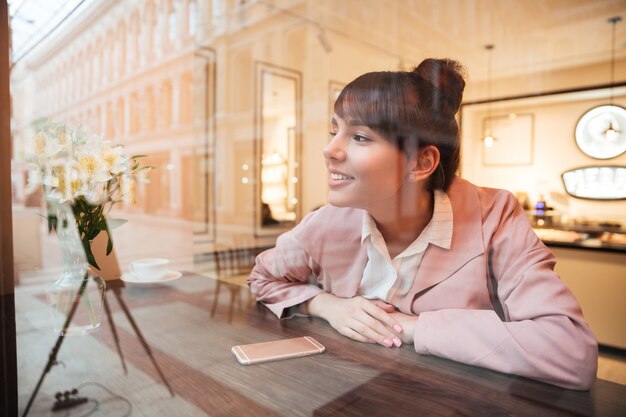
(334, 149)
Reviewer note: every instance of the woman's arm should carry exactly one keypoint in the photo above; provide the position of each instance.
(542, 334)
(285, 280)
(284, 276)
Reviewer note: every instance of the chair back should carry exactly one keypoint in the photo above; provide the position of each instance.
(234, 261)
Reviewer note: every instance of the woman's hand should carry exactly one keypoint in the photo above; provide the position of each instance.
(358, 318)
(408, 323)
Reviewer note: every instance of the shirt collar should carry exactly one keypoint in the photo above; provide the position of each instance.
(369, 226)
(440, 226)
(438, 231)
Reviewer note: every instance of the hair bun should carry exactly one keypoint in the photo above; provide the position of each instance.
(446, 76)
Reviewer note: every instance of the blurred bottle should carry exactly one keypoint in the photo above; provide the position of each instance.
(523, 200)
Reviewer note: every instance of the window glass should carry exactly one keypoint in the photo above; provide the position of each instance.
(226, 104)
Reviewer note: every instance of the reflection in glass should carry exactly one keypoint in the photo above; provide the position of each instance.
(279, 164)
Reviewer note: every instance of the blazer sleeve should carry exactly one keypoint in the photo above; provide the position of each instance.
(284, 276)
(542, 334)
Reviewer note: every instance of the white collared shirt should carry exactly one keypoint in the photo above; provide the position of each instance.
(388, 279)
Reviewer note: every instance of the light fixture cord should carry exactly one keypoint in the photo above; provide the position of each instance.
(489, 48)
(614, 21)
(489, 78)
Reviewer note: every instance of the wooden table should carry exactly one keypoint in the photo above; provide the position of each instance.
(349, 379)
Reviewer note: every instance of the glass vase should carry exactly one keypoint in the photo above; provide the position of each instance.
(77, 300)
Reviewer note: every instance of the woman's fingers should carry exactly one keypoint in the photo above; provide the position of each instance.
(348, 332)
(383, 317)
(368, 321)
(374, 329)
(358, 318)
(363, 333)
(383, 305)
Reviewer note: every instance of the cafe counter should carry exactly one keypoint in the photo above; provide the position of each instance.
(594, 268)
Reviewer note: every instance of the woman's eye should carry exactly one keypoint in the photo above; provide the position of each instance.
(361, 138)
(332, 133)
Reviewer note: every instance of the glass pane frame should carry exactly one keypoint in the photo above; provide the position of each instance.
(204, 149)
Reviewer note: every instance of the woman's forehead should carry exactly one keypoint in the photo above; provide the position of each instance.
(348, 121)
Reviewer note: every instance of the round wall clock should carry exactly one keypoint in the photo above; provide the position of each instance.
(601, 132)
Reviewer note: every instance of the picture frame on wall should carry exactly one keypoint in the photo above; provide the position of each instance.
(514, 135)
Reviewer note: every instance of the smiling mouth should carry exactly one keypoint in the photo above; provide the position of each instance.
(338, 177)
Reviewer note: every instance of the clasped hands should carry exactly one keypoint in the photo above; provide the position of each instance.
(370, 321)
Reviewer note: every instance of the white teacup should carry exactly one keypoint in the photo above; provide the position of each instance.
(152, 269)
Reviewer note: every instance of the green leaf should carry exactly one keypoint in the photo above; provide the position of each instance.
(109, 244)
(101, 225)
(52, 223)
(91, 234)
(89, 254)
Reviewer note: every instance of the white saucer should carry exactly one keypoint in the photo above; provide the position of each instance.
(169, 276)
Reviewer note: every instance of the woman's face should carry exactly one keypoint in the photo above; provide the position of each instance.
(365, 171)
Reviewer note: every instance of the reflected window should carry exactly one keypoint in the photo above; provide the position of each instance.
(171, 22)
(278, 153)
(191, 18)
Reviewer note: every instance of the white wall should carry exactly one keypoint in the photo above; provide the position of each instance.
(554, 148)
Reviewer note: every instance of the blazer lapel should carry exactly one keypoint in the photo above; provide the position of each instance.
(336, 246)
(439, 264)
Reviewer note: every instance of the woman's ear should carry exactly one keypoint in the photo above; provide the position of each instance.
(423, 163)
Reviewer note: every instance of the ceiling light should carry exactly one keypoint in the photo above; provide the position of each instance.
(613, 131)
(488, 139)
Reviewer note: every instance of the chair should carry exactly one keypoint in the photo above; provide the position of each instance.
(232, 268)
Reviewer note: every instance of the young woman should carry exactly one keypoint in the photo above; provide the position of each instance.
(406, 252)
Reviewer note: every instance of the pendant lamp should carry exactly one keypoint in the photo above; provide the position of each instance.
(488, 138)
(613, 131)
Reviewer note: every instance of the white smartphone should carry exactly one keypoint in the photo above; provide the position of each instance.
(277, 350)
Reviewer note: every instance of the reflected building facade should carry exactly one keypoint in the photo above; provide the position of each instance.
(230, 99)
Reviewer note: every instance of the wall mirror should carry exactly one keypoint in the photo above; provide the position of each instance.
(277, 149)
(600, 132)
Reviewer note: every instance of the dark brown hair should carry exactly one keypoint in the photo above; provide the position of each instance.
(411, 110)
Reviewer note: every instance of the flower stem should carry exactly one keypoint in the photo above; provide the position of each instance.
(79, 294)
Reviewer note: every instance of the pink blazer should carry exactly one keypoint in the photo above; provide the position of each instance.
(491, 300)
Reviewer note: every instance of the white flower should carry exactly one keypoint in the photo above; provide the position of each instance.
(47, 146)
(56, 195)
(142, 176)
(35, 178)
(50, 180)
(115, 159)
(71, 165)
(92, 168)
(128, 189)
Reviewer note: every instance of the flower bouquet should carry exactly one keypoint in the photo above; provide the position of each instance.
(83, 177)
